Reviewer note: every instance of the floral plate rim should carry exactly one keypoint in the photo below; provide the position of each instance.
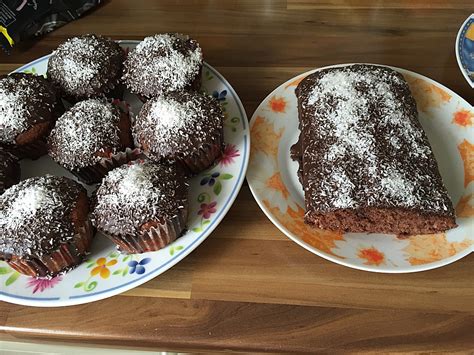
(307, 246)
(184, 252)
(458, 48)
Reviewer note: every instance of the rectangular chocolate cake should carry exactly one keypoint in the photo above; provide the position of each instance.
(365, 162)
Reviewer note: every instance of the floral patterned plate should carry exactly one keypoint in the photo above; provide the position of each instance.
(449, 123)
(465, 49)
(106, 272)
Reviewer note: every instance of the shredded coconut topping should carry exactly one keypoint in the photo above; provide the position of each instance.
(178, 124)
(163, 63)
(35, 215)
(86, 66)
(365, 146)
(172, 115)
(344, 187)
(88, 128)
(135, 184)
(13, 110)
(27, 203)
(136, 194)
(78, 73)
(22, 96)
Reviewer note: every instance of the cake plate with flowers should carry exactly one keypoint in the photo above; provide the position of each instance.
(106, 272)
(447, 119)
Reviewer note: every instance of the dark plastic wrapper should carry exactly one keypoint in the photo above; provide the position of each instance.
(24, 19)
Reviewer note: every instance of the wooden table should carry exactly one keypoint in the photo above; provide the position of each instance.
(248, 287)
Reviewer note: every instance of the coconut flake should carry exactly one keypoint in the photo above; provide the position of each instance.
(89, 127)
(137, 193)
(374, 151)
(76, 63)
(78, 73)
(162, 63)
(13, 111)
(178, 123)
(27, 203)
(35, 215)
(21, 95)
(85, 65)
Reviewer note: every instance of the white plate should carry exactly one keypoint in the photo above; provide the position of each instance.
(448, 121)
(106, 272)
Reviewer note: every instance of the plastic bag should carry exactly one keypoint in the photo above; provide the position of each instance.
(23, 19)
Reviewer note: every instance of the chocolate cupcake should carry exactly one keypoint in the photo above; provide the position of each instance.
(29, 106)
(92, 138)
(9, 170)
(142, 206)
(162, 64)
(186, 127)
(44, 225)
(87, 66)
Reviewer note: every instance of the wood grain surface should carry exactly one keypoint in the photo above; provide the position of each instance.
(248, 287)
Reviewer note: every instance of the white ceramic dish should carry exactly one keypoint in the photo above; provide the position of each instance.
(448, 121)
(106, 272)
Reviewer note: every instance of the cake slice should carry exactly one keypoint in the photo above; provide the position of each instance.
(365, 162)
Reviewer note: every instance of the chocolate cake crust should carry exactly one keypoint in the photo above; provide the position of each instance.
(365, 162)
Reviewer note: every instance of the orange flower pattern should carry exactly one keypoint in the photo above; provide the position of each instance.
(277, 104)
(466, 150)
(372, 256)
(465, 207)
(264, 138)
(275, 182)
(424, 249)
(293, 220)
(102, 267)
(427, 95)
(463, 118)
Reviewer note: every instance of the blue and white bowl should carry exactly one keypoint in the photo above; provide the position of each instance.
(465, 49)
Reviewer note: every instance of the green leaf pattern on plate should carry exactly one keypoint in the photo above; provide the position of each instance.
(9, 275)
(104, 267)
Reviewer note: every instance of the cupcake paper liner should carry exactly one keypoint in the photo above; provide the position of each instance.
(33, 150)
(152, 239)
(67, 256)
(94, 174)
(204, 158)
